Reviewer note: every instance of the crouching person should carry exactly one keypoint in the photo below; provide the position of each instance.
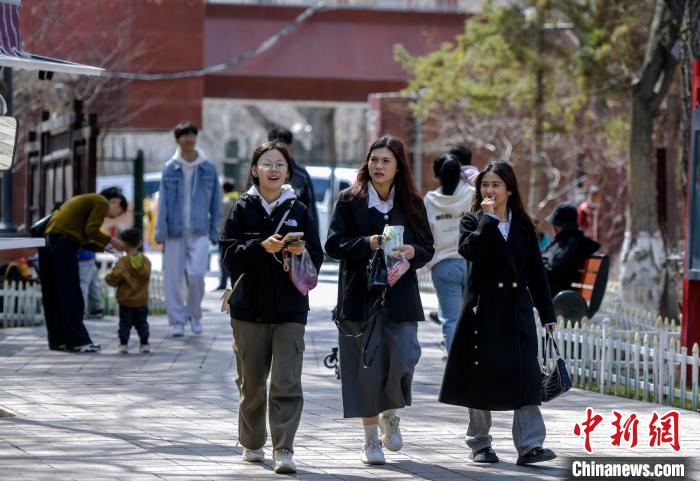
(268, 313)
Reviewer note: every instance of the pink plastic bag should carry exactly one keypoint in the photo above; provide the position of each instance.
(396, 266)
(302, 272)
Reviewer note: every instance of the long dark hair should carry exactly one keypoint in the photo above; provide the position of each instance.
(405, 192)
(507, 174)
(449, 173)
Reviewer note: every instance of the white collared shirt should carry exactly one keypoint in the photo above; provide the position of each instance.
(383, 206)
(504, 227)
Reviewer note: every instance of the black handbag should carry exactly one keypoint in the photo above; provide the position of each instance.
(558, 381)
(38, 229)
(377, 274)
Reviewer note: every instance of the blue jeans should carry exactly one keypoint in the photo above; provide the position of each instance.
(450, 281)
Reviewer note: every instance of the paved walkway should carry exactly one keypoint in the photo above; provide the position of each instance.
(171, 415)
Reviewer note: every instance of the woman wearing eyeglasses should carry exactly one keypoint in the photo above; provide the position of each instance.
(268, 313)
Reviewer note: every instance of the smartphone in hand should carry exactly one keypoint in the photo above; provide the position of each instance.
(292, 237)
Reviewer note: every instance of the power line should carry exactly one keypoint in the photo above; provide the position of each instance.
(266, 45)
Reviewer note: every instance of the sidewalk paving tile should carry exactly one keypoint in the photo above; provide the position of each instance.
(172, 415)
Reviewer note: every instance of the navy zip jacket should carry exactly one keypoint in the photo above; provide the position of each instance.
(265, 293)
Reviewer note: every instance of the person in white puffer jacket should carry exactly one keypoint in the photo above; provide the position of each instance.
(445, 206)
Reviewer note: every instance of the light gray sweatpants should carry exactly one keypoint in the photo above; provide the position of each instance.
(528, 429)
(185, 261)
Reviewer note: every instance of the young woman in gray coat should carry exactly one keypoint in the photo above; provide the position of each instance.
(493, 364)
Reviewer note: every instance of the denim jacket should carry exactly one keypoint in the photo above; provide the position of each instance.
(205, 213)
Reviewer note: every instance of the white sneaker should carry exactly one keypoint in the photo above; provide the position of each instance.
(391, 434)
(253, 455)
(282, 461)
(178, 330)
(123, 349)
(196, 325)
(144, 348)
(372, 451)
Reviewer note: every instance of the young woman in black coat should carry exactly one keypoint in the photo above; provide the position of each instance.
(268, 313)
(493, 364)
(384, 193)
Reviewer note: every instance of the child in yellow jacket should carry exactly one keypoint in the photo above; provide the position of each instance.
(131, 275)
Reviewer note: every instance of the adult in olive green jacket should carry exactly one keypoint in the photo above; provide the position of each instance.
(74, 225)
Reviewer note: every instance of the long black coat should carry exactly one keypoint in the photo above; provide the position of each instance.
(492, 363)
(348, 241)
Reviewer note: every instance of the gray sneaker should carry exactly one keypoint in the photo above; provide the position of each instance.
(283, 462)
(391, 434)
(178, 330)
(372, 451)
(196, 325)
(253, 455)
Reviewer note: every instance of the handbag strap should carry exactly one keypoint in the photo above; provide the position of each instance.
(549, 340)
(373, 324)
(279, 226)
(284, 217)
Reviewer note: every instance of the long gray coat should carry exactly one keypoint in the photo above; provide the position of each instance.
(493, 363)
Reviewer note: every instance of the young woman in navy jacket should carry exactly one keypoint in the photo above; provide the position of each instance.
(268, 313)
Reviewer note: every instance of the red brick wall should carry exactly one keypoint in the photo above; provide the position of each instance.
(132, 36)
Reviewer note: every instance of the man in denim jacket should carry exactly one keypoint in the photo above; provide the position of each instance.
(189, 212)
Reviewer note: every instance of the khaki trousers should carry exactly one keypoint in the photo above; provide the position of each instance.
(262, 350)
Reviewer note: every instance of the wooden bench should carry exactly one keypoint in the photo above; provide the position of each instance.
(586, 295)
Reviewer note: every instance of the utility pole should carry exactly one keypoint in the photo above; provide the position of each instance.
(6, 224)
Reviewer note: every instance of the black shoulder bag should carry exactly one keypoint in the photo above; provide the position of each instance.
(377, 283)
(38, 229)
(377, 274)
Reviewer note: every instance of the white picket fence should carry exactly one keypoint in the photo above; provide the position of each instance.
(21, 304)
(647, 366)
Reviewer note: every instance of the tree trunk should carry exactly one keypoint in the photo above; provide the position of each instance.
(673, 202)
(644, 251)
(539, 183)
